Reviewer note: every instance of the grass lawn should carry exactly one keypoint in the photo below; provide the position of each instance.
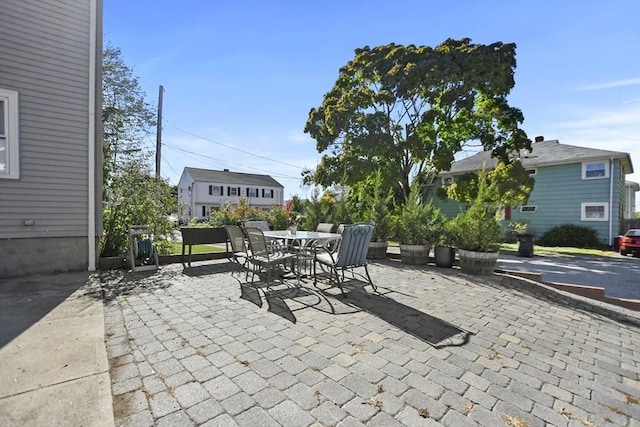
(176, 248)
(548, 250)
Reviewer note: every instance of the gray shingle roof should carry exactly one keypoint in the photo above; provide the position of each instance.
(228, 177)
(543, 153)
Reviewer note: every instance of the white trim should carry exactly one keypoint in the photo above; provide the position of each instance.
(605, 163)
(91, 234)
(583, 206)
(12, 134)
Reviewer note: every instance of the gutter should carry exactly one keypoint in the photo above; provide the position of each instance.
(91, 231)
(611, 170)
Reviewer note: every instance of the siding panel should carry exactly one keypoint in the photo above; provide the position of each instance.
(44, 50)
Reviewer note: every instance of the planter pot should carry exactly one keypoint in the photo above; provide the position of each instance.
(377, 250)
(414, 254)
(444, 256)
(478, 262)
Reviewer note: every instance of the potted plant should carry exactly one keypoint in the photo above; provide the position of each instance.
(377, 212)
(417, 225)
(477, 232)
(444, 251)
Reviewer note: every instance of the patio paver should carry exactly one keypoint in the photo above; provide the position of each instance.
(433, 346)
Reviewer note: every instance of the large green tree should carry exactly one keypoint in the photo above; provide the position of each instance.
(132, 194)
(409, 109)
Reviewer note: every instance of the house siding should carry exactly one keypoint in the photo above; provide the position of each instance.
(558, 194)
(45, 57)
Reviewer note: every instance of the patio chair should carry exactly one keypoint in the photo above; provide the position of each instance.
(350, 254)
(264, 257)
(324, 227)
(239, 252)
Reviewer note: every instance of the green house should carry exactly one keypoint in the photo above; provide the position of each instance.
(573, 185)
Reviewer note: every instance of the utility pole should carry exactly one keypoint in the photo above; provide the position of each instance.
(159, 132)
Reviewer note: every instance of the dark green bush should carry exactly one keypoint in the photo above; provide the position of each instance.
(569, 235)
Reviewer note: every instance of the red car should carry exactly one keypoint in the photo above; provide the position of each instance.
(630, 242)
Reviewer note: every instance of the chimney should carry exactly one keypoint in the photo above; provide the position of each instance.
(226, 170)
(539, 138)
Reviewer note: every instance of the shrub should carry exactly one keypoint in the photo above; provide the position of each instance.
(570, 235)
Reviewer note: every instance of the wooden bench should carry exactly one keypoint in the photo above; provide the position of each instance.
(201, 236)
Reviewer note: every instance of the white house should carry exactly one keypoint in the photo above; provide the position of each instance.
(201, 191)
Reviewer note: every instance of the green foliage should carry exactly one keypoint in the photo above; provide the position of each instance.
(569, 235)
(478, 229)
(372, 203)
(419, 222)
(508, 183)
(279, 217)
(135, 198)
(132, 195)
(407, 110)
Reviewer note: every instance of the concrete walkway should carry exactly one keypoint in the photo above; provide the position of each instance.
(53, 361)
(199, 346)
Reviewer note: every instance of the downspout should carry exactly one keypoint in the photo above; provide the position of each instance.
(91, 234)
(611, 170)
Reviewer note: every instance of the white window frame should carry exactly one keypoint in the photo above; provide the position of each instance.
(12, 148)
(583, 211)
(233, 191)
(532, 171)
(447, 180)
(529, 210)
(587, 164)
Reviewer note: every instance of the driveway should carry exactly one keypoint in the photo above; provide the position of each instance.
(619, 276)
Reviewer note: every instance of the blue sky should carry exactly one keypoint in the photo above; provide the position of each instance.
(241, 76)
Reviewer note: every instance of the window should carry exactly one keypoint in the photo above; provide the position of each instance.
(267, 194)
(252, 192)
(215, 190)
(595, 170)
(9, 134)
(447, 180)
(532, 171)
(595, 212)
(527, 208)
(233, 191)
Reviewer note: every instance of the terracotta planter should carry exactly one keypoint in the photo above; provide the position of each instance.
(445, 256)
(414, 254)
(377, 250)
(473, 262)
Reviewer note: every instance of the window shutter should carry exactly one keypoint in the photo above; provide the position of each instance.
(507, 213)
(247, 191)
(238, 191)
(210, 190)
(272, 194)
(222, 190)
(228, 191)
(263, 192)
(256, 192)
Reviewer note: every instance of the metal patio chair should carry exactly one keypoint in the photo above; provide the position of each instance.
(351, 253)
(264, 257)
(239, 251)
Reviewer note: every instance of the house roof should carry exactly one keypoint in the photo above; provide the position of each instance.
(544, 153)
(228, 177)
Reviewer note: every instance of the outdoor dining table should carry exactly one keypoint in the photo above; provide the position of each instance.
(306, 238)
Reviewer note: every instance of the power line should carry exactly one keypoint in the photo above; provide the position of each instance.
(237, 149)
(199, 157)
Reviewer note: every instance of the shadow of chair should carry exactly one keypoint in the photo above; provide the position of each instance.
(350, 253)
(264, 258)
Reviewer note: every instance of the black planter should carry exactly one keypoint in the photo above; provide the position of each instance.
(525, 244)
(445, 256)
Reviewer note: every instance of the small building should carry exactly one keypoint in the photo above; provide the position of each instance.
(201, 191)
(50, 135)
(573, 185)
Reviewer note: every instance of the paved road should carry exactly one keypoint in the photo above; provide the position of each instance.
(619, 276)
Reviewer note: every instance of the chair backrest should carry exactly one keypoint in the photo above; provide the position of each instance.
(257, 242)
(354, 245)
(261, 224)
(341, 228)
(324, 227)
(236, 237)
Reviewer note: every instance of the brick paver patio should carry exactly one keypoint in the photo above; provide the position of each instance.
(433, 347)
